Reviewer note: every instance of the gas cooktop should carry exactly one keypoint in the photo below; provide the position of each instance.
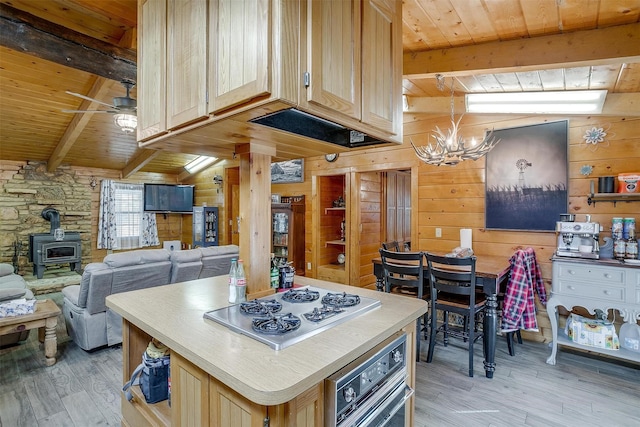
(289, 317)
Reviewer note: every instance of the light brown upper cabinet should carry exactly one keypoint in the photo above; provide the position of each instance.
(172, 65)
(152, 49)
(186, 62)
(354, 61)
(217, 64)
(239, 41)
(382, 65)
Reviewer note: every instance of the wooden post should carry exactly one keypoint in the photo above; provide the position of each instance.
(255, 215)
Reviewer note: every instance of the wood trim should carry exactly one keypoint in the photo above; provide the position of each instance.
(602, 46)
(24, 32)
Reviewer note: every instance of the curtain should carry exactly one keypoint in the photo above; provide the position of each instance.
(122, 223)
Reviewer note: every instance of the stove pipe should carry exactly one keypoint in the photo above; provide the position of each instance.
(52, 215)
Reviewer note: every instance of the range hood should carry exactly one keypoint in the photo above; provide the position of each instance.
(304, 124)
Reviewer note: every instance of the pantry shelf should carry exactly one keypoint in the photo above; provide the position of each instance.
(613, 197)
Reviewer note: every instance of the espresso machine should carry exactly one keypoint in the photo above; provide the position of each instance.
(578, 239)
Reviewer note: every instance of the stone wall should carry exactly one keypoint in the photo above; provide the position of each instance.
(24, 192)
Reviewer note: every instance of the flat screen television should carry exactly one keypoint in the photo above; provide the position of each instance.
(168, 198)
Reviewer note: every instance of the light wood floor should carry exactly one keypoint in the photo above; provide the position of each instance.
(83, 389)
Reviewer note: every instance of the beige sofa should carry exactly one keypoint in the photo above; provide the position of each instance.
(91, 324)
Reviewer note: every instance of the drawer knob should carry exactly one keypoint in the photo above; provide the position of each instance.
(607, 275)
(571, 287)
(607, 292)
(571, 272)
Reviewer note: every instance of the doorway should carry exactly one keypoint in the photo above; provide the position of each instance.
(397, 209)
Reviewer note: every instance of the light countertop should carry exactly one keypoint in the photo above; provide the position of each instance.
(174, 315)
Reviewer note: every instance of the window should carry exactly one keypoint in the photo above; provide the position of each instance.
(123, 224)
(128, 215)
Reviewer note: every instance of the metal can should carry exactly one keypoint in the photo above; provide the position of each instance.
(628, 224)
(616, 227)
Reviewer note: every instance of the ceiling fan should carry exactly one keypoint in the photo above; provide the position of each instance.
(124, 108)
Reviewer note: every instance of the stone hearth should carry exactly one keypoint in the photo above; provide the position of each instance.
(53, 280)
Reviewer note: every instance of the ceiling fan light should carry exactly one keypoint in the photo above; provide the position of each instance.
(126, 122)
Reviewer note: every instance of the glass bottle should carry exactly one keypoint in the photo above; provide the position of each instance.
(233, 271)
(619, 247)
(631, 248)
(241, 283)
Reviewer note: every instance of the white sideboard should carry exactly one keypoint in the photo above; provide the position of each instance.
(593, 285)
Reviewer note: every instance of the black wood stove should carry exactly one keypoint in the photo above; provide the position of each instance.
(55, 247)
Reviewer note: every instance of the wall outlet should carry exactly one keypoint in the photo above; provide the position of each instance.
(438, 232)
(308, 266)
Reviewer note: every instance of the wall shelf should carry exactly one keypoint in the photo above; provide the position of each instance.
(613, 197)
(327, 210)
(335, 242)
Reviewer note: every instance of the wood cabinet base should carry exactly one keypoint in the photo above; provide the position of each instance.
(198, 399)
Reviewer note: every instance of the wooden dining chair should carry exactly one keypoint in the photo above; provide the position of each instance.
(452, 283)
(391, 246)
(404, 272)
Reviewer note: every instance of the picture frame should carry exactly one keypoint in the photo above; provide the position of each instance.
(275, 198)
(526, 177)
(288, 171)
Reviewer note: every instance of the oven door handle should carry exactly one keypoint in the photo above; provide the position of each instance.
(403, 388)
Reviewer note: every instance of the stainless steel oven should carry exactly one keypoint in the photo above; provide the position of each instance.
(372, 390)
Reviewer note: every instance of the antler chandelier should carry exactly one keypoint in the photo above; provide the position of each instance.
(451, 148)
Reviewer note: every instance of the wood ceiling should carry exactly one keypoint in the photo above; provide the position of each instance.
(484, 45)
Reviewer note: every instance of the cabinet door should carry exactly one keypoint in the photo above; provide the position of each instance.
(152, 47)
(189, 393)
(230, 409)
(198, 226)
(382, 62)
(334, 56)
(186, 62)
(280, 239)
(210, 227)
(239, 60)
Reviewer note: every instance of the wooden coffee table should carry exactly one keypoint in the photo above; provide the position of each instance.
(45, 318)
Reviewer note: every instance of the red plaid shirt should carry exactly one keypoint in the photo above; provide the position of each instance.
(519, 310)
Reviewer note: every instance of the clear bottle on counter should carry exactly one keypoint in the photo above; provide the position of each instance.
(233, 274)
(631, 248)
(619, 247)
(241, 283)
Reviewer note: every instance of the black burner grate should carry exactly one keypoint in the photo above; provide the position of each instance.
(300, 295)
(260, 307)
(276, 324)
(341, 299)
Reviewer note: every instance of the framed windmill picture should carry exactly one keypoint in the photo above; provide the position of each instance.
(527, 177)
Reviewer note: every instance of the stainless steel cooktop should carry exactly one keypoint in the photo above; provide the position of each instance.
(280, 323)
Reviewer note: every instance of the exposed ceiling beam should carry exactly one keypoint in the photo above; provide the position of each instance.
(612, 45)
(99, 90)
(616, 104)
(26, 33)
(143, 156)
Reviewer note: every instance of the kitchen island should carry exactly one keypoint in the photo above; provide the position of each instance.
(220, 377)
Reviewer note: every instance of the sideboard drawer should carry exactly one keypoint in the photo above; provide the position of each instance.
(596, 275)
(602, 292)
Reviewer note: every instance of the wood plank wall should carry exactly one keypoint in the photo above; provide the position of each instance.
(451, 198)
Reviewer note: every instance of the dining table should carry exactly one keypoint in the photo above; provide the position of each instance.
(492, 272)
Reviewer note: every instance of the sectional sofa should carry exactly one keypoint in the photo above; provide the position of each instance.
(91, 324)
